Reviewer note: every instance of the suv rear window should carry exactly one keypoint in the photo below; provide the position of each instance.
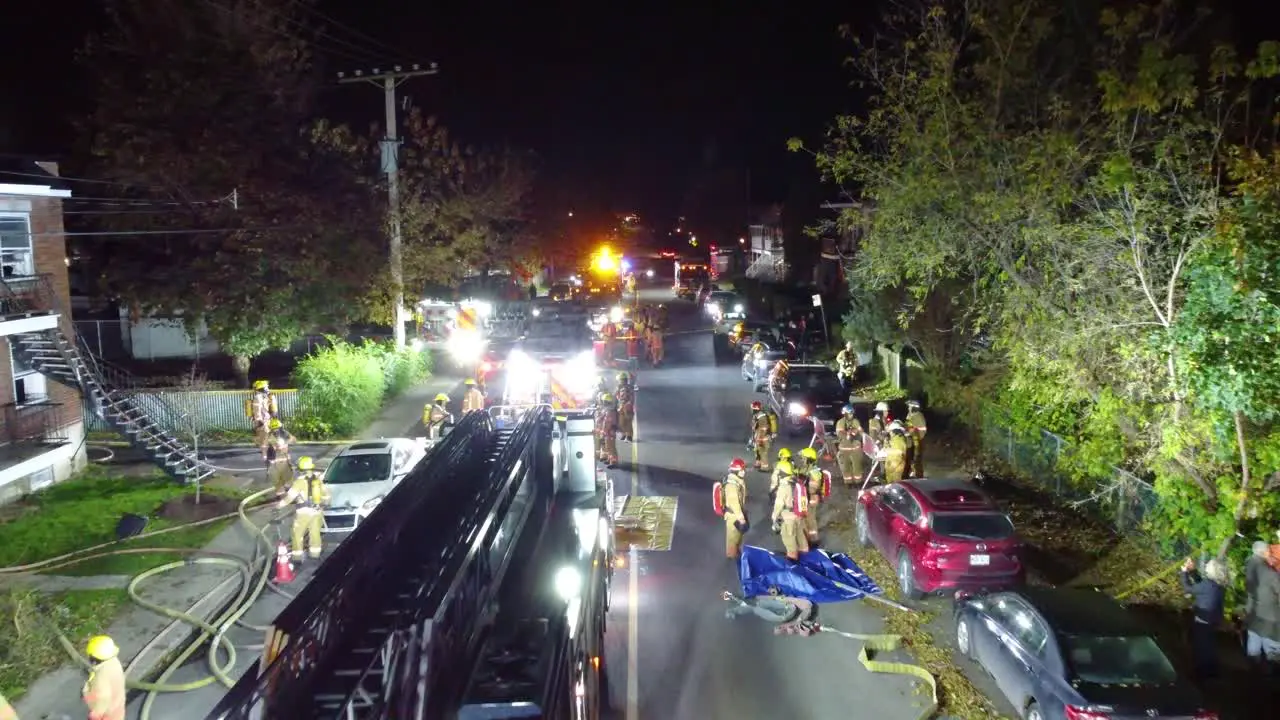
(972, 526)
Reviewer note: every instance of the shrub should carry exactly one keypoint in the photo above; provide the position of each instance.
(342, 386)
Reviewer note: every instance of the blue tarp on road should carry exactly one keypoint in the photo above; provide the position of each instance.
(817, 576)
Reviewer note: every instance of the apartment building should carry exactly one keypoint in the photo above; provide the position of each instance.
(42, 423)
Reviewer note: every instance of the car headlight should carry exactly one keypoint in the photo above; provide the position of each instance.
(713, 308)
(738, 308)
(648, 273)
(536, 312)
(797, 409)
(616, 314)
(568, 583)
(368, 505)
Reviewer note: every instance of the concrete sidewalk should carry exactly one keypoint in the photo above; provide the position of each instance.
(148, 641)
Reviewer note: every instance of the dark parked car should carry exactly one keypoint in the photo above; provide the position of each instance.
(1072, 654)
(811, 391)
(756, 365)
(940, 535)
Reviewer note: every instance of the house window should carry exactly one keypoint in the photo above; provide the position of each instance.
(15, 246)
(28, 385)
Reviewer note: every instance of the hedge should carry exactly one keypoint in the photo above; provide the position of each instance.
(343, 386)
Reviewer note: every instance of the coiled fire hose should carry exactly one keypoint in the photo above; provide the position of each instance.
(794, 616)
(254, 575)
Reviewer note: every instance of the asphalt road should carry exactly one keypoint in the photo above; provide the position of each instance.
(671, 653)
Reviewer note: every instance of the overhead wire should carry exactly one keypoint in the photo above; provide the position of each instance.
(336, 23)
(179, 231)
(291, 36)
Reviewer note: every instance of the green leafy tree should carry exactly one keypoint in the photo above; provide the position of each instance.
(203, 110)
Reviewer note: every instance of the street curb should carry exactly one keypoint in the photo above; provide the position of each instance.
(162, 646)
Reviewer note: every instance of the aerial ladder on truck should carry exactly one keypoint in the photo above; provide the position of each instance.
(481, 582)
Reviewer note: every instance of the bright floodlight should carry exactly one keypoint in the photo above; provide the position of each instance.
(738, 308)
(616, 314)
(648, 273)
(466, 347)
(568, 583)
(605, 261)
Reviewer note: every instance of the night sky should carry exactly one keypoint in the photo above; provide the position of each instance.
(625, 104)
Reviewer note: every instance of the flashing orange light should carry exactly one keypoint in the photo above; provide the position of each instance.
(604, 261)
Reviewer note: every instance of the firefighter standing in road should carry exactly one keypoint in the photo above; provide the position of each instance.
(435, 415)
(310, 494)
(597, 395)
(279, 469)
(626, 407)
(260, 407)
(764, 428)
(608, 333)
(782, 470)
(916, 430)
(778, 375)
(105, 692)
(895, 453)
(790, 506)
(847, 365)
(816, 485)
(607, 430)
(472, 399)
(849, 455)
(734, 502)
(657, 352)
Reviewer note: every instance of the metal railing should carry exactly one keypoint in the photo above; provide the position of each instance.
(331, 608)
(35, 422)
(28, 295)
(207, 410)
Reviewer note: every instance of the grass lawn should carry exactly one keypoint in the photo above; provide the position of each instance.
(28, 646)
(133, 564)
(83, 512)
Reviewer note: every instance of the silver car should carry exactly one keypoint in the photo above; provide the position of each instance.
(362, 474)
(756, 365)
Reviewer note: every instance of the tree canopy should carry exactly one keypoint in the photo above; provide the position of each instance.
(1072, 219)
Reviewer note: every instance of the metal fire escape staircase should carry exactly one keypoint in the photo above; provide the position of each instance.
(111, 392)
(392, 625)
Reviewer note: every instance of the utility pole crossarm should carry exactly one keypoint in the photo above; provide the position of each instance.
(390, 80)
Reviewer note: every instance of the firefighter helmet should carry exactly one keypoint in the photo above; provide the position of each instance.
(809, 454)
(738, 465)
(275, 424)
(882, 407)
(441, 397)
(469, 381)
(261, 385)
(913, 404)
(847, 409)
(101, 648)
(756, 405)
(306, 463)
(784, 454)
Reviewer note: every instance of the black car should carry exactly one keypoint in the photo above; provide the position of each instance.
(1072, 653)
(811, 391)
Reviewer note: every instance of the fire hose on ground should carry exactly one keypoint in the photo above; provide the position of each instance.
(254, 574)
(794, 616)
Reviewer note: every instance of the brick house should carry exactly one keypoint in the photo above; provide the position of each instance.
(42, 425)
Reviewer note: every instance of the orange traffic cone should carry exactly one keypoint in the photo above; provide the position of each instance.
(284, 566)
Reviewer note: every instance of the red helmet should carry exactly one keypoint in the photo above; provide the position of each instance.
(738, 465)
(756, 405)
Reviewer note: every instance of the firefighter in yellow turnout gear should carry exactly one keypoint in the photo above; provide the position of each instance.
(849, 454)
(104, 693)
(607, 430)
(916, 430)
(764, 428)
(260, 407)
(815, 483)
(895, 453)
(733, 491)
(790, 506)
(279, 469)
(626, 396)
(310, 494)
(435, 415)
(472, 399)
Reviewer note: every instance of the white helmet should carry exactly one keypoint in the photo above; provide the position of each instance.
(896, 427)
(882, 407)
(913, 404)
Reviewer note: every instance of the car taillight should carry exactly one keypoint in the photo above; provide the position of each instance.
(1084, 713)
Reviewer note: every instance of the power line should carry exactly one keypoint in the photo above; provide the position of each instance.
(143, 202)
(363, 58)
(120, 212)
(72, 178)
(353, 31)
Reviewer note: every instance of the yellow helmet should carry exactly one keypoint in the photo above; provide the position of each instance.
(809, 454)
(441, 397)
(623, 377)
(101, 647)
(275, 424)
(306, 463)
(469, 381)
(606, 398)
(260, 385)
(784, 454)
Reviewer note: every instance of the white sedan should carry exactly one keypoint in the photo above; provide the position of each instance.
(362, 475)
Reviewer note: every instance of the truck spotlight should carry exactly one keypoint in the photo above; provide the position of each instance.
(568, 583)
(616, 314)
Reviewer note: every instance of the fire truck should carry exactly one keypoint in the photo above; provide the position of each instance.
(689, 277)
(553, 364)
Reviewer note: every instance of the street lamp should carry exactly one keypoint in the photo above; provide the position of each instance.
(570, 213)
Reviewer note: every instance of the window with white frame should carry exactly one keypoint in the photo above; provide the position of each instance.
(28, 385)
(16, 257)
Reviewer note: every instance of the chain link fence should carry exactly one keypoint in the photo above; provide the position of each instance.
(1122, 499)
(204, 410)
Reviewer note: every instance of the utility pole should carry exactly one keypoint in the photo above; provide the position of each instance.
(390, 80)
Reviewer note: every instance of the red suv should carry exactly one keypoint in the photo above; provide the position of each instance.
(940, 535)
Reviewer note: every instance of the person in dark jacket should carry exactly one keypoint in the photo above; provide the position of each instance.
(1208, 595)
(1262, 639)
